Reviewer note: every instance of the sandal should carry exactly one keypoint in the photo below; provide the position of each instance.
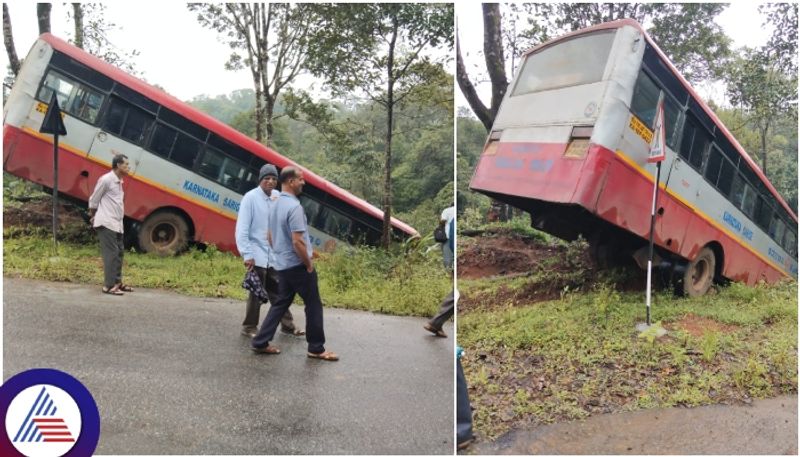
(436, 331)
(327, 355)
(112, 291)
(295, 332)
(266, 350)
(125, 288)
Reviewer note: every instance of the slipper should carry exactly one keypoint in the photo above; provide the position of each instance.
(112, 291)
(125, 288)
(327, 355)
(436, 331)
(266, 350)
(295, 332)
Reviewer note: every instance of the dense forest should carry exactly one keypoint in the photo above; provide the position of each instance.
(759, 105)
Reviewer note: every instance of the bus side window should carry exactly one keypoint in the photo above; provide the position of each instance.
(74, 98)
(335, 223)
(312, 209)
(790, 243)
(185, 150)
(232, 174)
(713, 166)
(695, 143)
(643, 105)
(749, 199)
(726, 177)
(763, 213)
(777, 229)
(137, 125)
(737, 189)
(210, 164)
(162, 140)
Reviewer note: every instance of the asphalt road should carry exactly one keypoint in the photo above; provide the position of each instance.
(764, 427)
(172, 375)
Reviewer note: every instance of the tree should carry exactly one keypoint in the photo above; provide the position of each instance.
(783, 43)
(757, 86)
(381, 50)
(8, 40)
(91, 29)
(268, 38)
(686, 32)
(495, 66)
(43, 14)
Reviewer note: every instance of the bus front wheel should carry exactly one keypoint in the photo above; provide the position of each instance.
(699, 274)
(164, 233)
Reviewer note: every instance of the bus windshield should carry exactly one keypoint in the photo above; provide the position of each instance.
(580, 60)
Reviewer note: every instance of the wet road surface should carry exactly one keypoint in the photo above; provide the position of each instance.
(172, 375)
(764, 427)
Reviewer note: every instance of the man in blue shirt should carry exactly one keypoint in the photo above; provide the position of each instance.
(252, 226)
(296, 275)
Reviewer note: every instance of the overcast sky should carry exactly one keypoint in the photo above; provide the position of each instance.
(740, 21)
(175, 51)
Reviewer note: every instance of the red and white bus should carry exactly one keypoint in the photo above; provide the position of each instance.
(570, 142)
(188, 170)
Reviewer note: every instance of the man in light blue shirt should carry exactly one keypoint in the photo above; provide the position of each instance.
(295, 267)
(252, 227)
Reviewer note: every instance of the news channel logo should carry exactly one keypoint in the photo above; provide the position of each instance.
(48, 413)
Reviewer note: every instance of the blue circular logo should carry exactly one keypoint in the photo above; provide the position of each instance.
(48, 413)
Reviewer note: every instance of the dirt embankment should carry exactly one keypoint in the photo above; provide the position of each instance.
(34, 215)
(551, 268)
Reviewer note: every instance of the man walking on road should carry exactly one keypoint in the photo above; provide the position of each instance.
(106, 211)
(252, 226)
(296, 275)
(447, 308)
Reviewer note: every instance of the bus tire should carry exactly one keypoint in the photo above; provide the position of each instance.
(699, 274)
(164, 233)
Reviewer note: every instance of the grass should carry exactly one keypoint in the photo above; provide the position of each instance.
(400, 283)
(568, 358)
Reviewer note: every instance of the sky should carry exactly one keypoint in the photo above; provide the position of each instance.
(176, 52)
(737, 21)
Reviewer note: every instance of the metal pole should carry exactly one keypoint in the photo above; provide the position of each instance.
(55, 193)
(652, 232)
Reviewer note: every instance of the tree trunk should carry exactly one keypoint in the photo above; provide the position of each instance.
(8, 39)
(386, 235)
(468, 89)
(763, 131)
(78, 10)
(43, 13)
(269, 113)
(493, 52)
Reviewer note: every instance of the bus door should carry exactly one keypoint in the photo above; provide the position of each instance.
(124, 130)
(683, 183)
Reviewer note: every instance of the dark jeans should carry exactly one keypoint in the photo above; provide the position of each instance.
(269, 279)
(463, 410)
(111, 249)
(293, 281)
(445, 311)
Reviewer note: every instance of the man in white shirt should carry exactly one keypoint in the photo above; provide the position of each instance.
(106, 211)
(445, 220)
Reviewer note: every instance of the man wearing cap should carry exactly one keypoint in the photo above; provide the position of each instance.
(252, 226)
(294, 262)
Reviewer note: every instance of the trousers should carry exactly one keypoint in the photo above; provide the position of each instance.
(291, 282)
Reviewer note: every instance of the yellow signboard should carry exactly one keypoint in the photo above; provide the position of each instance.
(637, 126)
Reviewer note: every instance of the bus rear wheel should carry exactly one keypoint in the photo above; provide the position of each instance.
(699, 274)
(164, 233)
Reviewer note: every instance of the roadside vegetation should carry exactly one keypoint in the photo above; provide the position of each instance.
(406, 280)
(534, 357)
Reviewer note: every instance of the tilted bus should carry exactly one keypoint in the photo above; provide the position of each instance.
(570, 142)
(188, 170)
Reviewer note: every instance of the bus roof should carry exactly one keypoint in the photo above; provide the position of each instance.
(218, 127)
(631, 22)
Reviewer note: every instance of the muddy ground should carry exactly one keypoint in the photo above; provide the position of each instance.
(553, 267)
(29, 215)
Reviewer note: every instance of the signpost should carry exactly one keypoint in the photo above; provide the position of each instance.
(53, 124)
(657, 154)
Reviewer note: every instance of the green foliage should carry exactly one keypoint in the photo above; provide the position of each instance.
(562, 359)
(382, 281)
